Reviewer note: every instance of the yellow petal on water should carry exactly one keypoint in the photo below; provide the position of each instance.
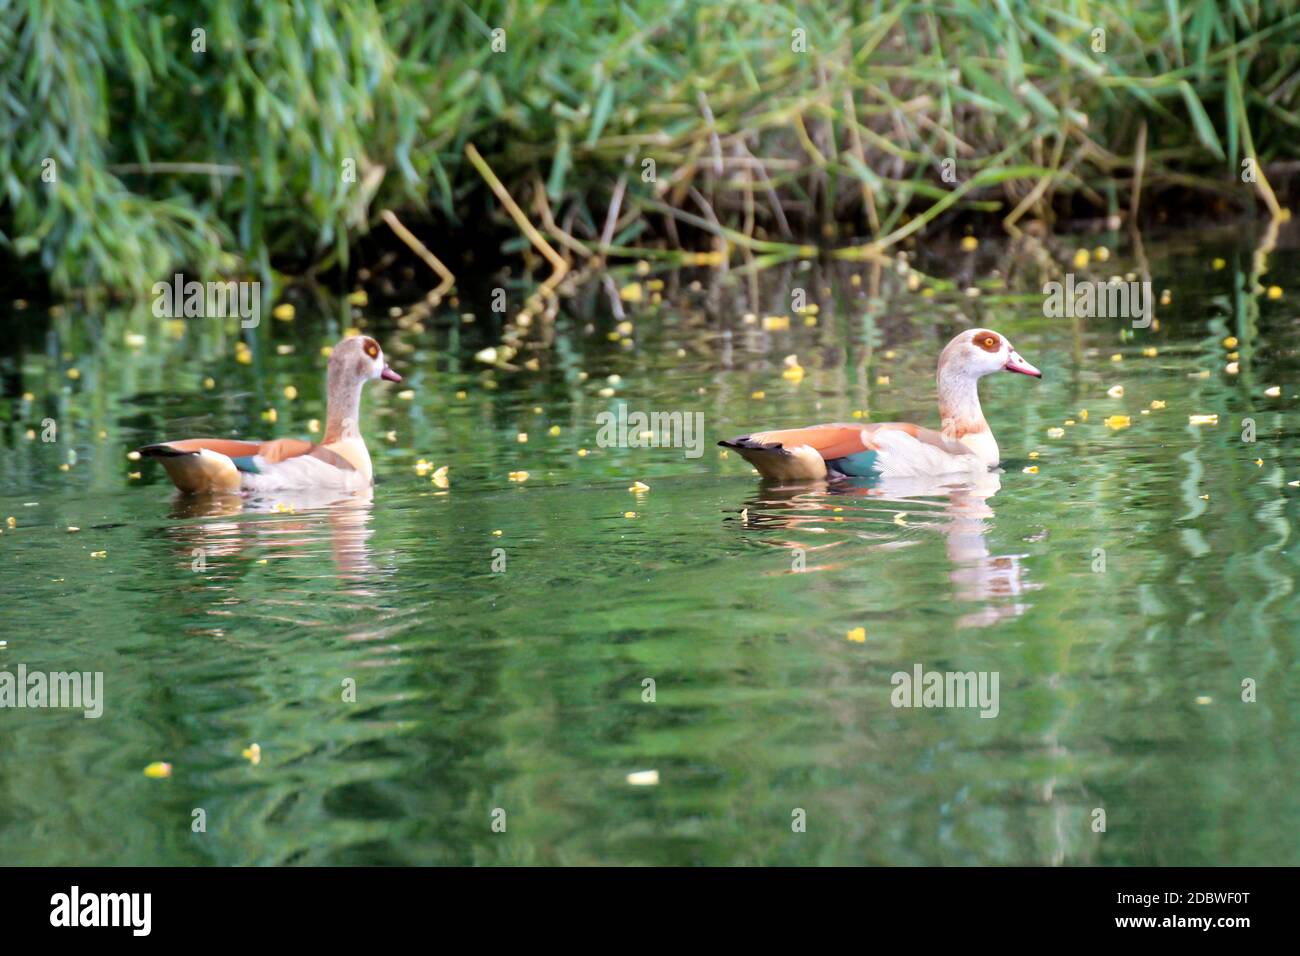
(1083, 414)
(1166, 297)
(629, 514)
(74, 373)
(326, 351)
(1157, 404)
(11, 521)
(1203, 700)
(1259, 462)
(73, 529)
(1069, 421)
(209, 383)
(1150, 351)
(606, 393)
(882, 379)
(518, 476)
(497, 533)
(793, 374)
(1033, 455)
(488, 355)
(253, 754)
(1115, 391)
(440, 477)
(462, 395)
(290, 392)
(284, 311)
(359, 298)
(1273, 391)
(760, 394)
(522, 438)
(1275, 292)
(313, 425)
(1232, 368)
(1101, 253)
(638, 488)
(407, 394)
(158, 770)
(133, 455)
(133, 475)
(1056, 432)
(1116, 422)
(1117, 357)
(1202, 419)
(1218, 264)
(582, 453)
(1081, 258)
(270, 415)
(969, 244)
(631, 292)
(99, 554)
(1230, 342)
(900, 518)
(858, 635)
(644, 778)
(776, 323)
(553, 431)
(1031, 470)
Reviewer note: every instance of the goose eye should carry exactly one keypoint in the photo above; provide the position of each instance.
(989, 343)
(372, 348)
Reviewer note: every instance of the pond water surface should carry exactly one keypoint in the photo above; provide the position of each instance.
(1122, 593)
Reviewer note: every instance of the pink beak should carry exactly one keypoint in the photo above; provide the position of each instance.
(390, 375)
(1016, 364)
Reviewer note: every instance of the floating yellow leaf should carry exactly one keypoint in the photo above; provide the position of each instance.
(969, 244)
(1157, 404)
(776, 323)
(644, 778)
(1273, 391)
(1056, 433)
(1275, 292)
(284, 311)
(158, 770)
(440, 478)
(1202, 419)
(518, 476)
(1115, 391)
(858, 635)
(1081, 258)
(1116, 422)
(638, 488)
(253, 754)
(1031, 470)
(631, 292)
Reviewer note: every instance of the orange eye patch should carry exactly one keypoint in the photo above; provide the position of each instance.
(988, 342)
(371, 348)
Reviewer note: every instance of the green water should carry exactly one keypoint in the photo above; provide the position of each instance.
(522, 689)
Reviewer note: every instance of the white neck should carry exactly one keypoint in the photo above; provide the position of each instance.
(343, 411)
(961, 416)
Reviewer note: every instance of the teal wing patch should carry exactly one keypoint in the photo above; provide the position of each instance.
(859, 465)
(247, 463)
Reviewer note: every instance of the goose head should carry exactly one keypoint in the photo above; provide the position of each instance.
(978, 352)
(357, 360)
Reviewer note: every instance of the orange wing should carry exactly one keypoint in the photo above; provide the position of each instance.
(829, 441)
(273, 451)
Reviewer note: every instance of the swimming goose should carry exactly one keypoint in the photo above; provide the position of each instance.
(964, 442)
(340, 462)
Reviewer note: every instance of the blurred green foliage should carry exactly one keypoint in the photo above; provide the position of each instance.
(227, 135)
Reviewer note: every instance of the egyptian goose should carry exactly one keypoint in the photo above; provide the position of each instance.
(340, 462)
(897, 449)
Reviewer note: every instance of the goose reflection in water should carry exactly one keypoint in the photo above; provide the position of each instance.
(994, 584)
(304, 520)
